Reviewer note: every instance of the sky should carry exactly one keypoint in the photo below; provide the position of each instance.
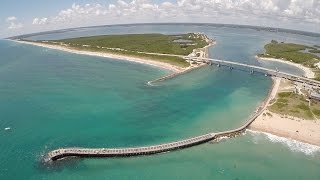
(21, 17)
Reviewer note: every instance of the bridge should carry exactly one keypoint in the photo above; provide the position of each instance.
(232, 65)
(253, 68)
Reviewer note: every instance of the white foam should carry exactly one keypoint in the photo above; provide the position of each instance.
(150, 84)
(293, 145)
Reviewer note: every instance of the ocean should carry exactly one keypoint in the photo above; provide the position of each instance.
(52, 99)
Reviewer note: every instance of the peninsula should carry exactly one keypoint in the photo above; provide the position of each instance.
(294, 109)
(164, 51)
(304, 57)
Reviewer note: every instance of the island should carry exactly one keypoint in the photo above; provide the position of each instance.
(164, 51)
(293, 108)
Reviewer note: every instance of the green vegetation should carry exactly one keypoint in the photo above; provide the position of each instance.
(317, 74)
(316, 112)
(269, 114)
(290, 52)
(139, 45)
(314, 51)
(151, 43)
(178, 61)
(284, 94)
(291, 104)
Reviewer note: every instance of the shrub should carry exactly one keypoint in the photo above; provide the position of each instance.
(316, 112)
(282, 100)
(284, 94)
(304, 107)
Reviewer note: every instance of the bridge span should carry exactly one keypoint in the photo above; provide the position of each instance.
(267, 71)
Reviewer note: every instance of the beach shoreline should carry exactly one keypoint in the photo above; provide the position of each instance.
(173, 69)
(146, 61)
(306, 131)
(307, 71)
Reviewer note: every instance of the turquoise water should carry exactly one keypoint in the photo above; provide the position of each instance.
(53, 99)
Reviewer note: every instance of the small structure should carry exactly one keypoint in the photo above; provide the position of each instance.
(315, 96)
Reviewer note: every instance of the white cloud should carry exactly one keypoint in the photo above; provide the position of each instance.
(13, 23)
(40, 21)
(255, 12)
(11, 18)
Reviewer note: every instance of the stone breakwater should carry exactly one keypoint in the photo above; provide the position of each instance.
(148, 150)
(171, 76)
(125, 152)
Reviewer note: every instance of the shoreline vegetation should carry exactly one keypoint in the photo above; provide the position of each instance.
(301, 56)
(289, 113)
(162, 51)
(276, 120)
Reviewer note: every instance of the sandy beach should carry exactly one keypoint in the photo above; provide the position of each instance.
(307, 131)
(290, 127)
(146, 61)
(307, 71)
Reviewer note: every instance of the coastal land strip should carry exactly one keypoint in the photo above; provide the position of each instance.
(291, 113)
(137, 50)
(275, 120)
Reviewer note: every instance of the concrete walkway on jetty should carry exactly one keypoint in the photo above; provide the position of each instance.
(147, 150)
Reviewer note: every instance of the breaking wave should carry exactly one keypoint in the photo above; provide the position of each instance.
(293, 145)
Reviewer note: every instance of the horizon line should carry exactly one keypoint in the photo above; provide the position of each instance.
(292, 31)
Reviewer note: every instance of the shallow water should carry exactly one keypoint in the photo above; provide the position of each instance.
(53, 99)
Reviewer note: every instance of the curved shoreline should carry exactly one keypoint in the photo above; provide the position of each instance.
(307, 71)
(175, 70)
(145, 61)
(292, 128)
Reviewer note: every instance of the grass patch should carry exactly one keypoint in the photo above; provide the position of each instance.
(279, 105)
(316, 112)
(294, 105)
(303, 107)
(284, 94)
(294, 111)
(282, 100)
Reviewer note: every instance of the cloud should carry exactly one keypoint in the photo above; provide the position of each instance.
(13, 23)
(40, 21)
(257, 12)
(11, 18)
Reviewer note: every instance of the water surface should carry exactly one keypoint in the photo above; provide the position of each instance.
(53, 99)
